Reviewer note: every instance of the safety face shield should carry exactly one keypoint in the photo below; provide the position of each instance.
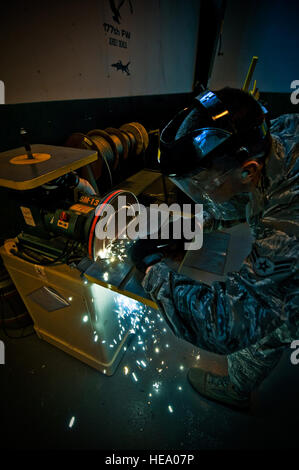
(193, 140)
(213, 183)
(232, 209)
(205, 161)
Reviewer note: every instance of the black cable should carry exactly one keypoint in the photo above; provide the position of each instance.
(55, 260)
(108, 168)
(220, 39)
(32, 260)
(220, 46)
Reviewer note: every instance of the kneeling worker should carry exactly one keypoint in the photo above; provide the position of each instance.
(221, 153)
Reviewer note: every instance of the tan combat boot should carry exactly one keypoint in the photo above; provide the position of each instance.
(218, 388)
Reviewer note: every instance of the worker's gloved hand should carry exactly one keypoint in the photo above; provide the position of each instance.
(148, 251)
(144, 253)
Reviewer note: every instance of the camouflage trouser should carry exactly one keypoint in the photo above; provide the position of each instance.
(249, 367)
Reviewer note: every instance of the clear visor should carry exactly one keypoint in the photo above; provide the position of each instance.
(210, 183)
(233, 209)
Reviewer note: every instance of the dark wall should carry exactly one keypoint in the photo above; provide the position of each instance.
(52, 122)
(278, 103)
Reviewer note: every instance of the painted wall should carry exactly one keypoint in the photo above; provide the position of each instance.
(65, 49)
(268, 29)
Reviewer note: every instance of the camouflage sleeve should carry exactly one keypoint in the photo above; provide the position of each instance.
(228, 316)
(212, 224)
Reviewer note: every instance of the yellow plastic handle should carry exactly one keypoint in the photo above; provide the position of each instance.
(250, 73)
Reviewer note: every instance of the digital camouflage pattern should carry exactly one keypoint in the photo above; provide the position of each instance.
(254, 314)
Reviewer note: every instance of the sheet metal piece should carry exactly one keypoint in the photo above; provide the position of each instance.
(121, 277)
(49, 299)
(212, 256)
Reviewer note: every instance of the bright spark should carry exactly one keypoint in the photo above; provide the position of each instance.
(134, 377)
(71, 422)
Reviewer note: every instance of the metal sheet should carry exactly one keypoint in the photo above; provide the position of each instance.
(120, 277)
(212, 256)
(48, 298)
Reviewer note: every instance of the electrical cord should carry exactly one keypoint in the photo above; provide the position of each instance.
(30, 258)
(67, 257)
(73, 256)
(108, 168)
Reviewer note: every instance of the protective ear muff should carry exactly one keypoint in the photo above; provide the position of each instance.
(245, 174)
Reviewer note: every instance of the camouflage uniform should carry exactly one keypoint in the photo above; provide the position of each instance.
(254, 314)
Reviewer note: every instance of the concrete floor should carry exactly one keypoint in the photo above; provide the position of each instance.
(42, 388)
